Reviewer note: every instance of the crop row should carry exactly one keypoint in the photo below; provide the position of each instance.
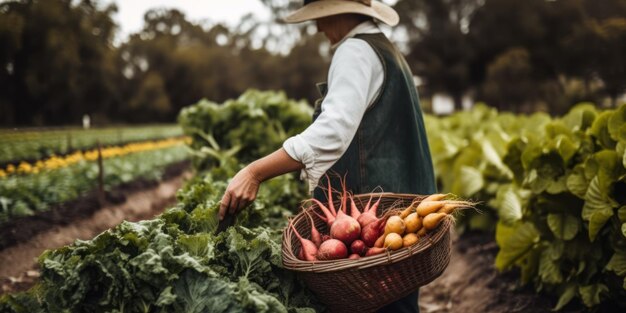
(37, 187)
(35, 144)
(554, 189)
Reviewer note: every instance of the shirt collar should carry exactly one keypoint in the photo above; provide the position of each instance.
(367, 27)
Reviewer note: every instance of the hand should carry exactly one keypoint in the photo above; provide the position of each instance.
(241, 191)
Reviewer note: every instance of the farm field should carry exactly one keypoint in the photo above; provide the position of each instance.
(550, 191)
(36, 144)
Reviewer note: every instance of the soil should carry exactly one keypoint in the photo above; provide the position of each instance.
(22, 229)
(471, 283)
(62, 226)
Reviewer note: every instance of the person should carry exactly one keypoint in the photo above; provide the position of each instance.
(368, 125)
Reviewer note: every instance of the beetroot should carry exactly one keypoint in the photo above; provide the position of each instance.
(358, 247)
(315, 234)
(332, 249)
(345, 228)
(371, 232)
(309, 250)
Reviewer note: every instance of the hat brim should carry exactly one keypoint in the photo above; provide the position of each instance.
(319, 9)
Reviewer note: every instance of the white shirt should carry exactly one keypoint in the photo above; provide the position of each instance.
(354, 80)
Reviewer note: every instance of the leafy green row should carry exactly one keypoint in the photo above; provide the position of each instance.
(554, 189)
(250, 127)
(176, 262)
(18, 145)
(22, 195)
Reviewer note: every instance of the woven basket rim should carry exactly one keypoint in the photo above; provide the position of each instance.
(291, 262)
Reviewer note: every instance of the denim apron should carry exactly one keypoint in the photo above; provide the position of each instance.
(390, 148)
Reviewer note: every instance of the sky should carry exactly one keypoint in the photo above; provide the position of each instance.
(130, 12)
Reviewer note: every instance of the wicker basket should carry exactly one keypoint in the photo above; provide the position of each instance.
(369, 283)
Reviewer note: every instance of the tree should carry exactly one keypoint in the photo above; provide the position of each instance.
(439, 49)
(56, 57)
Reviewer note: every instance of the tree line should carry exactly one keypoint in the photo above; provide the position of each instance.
(59, 60)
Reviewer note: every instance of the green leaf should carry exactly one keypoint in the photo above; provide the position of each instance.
(617, 122)
(600, 130)
(597, 208)
(563, 226)
(469, 181)
(492, 156)
(591, 294)
(509, 204)
(567, 296)
(197, 293)
(549, 271)
(617, 263)
(566, 147)
(516, 245)
(577, 183)
(621, 213)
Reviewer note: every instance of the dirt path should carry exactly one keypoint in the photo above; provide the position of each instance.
(18, 268)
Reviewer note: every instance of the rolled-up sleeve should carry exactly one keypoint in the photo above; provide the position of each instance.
(354, 79)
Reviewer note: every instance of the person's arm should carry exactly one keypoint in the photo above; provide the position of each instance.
(243, 188)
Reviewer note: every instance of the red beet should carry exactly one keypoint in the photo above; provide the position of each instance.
(332, 249)
(358, 247)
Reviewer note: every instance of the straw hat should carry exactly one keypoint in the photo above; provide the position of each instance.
(314, 9)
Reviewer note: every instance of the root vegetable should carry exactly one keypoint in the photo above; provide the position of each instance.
(316, 238)
(421, 232)
(371, 232)
(309, 250)
(375, 251)
(451, 206)
(354, 211)
(380, 241)
(354, 256)
(409, 209)
(395, 224)
(358, 247)
(413, 223)
(432, 220)
(328, 217)
(345, 228)
(409, 239)
(427, 207)
(435, 197)
(369, 214)
(332, 249)
(393, 241)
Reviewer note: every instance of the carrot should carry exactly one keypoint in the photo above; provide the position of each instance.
(409, 209)
(380, 241)
(451, 206)
(435, 197)
(421, 232)
(432, 220)
(375, 251)
(427, 207)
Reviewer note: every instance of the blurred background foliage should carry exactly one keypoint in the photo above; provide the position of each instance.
(59, 59)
